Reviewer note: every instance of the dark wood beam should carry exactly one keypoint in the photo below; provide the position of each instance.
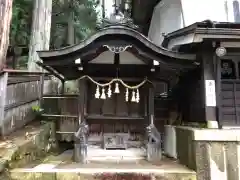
(80, 144)
(51, 70)
(150, 104)
(207, 54)
(117, 63)
(109, 71)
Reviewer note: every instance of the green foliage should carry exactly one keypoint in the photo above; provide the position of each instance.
(22, 62)
(37, 109)
(84, 20)
(21, 22)
(21, 28)
(203, 125)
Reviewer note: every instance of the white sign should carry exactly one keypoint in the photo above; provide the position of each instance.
(210, 93)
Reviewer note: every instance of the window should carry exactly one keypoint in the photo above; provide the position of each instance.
(228, 70)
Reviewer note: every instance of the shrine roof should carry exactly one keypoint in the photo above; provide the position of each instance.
(204, 30)
(115, 36)
(114, 33)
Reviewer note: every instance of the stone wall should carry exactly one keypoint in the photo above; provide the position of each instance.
(185, 147)
(213, 153)
(25, 146)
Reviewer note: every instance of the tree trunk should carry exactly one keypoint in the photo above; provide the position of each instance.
(5, 20)
(70, 31)
(41, 30)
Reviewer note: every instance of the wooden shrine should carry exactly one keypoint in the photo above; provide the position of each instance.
(117, 69)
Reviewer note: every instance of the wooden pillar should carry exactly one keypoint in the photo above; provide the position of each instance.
(80, 145)
(3, 94)
(82, 100)
(14, 61)
(154, 137)
(63, 87)
(207, 57)
(218, 90)
(41, 89)
(150, 103)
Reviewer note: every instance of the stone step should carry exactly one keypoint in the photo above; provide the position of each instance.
(114, 159)
(129, 155)
(99, 176)
(74, 173)
(61, 167)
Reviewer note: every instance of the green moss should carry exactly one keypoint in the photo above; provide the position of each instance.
(34, 149)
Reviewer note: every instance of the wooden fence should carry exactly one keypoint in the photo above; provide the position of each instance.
(19, 92)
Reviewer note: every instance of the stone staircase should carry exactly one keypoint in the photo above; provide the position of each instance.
(25, 156)
(61, 167)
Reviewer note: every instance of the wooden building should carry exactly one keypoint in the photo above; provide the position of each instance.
(214, 37)
(128, 85)
(222, 54)
(120, 72)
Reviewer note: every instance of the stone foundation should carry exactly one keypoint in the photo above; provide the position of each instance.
(213, 153)
(24, 146)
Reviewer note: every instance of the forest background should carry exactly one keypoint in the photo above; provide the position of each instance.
(69, 22)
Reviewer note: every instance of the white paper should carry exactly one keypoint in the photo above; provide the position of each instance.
(210, 93)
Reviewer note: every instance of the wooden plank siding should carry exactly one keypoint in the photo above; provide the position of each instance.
(189, 98)
(110, 115)
(230, 103)
(19, 92)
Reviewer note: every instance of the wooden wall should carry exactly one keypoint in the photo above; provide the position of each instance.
(190, 97)
(110, 115)
(18, 94)
(116, 105)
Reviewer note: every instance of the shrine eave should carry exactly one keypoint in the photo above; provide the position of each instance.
(202, 31)
(115, 33)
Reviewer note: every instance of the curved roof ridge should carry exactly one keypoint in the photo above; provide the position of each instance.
(116, 30)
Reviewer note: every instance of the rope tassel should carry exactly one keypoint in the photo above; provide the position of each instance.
(103, 96)
(127, 94)
(109, 91)
(135, 95)
(97, 94)
(117, 88)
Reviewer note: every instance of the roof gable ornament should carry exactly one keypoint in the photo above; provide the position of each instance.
(121, 15)
(117, 49)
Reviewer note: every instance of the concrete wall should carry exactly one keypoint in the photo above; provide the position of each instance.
(212, 153)
(185, 147)
(167, 17)
(171, 15)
